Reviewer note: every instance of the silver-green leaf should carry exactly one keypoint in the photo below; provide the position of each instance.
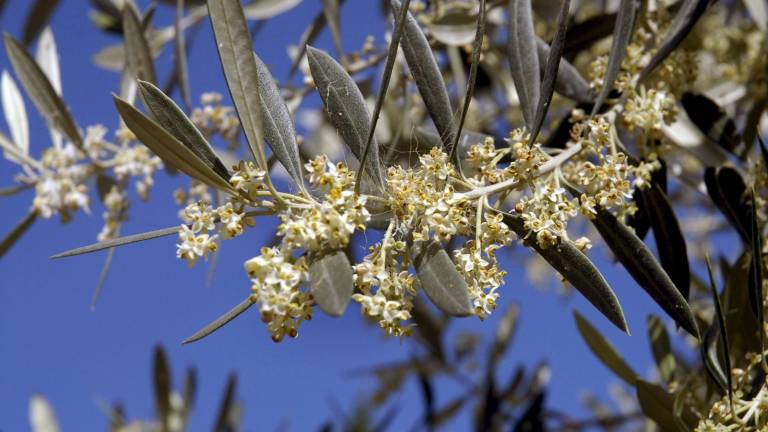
(220, 321)
(332, 282)
(523, 58)
(442, 283)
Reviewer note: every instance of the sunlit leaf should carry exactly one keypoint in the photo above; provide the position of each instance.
(264, 9)
(455, 26)
(220, 321)
(442, 283)
(332, 282)
(42, 418)
(137, 52)
(15, 114)
(603, 350)
(41, 91)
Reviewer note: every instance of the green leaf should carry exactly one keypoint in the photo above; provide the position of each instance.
(622, 36)
(40, 90)
(37, 19)
(569, 82)
(476, 49)
(391, 57)
(220, 321)
(524, 58)
(169, 148)
(180, 64)
(12, 237)
(332, 282)
(670, 242)
(162, 385)
(346, 108)
(165, 111)
(657, 404)
(429, 80)
(603, 350)
(551, 69)
(119, 242)
(666, 363)
(689, 14)
(137, 54)
(278, 126)
(442, 283)
(236, 54)
(579, 271)
(643, 267)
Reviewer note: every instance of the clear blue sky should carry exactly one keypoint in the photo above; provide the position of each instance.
(51, 343)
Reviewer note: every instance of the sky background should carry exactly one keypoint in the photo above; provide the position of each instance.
(52, 343)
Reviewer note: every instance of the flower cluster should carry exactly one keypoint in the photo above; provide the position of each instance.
(200, 220)
(213, 118)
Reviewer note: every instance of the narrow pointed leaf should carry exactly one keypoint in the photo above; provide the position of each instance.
(689, 14)
(442, 283)
(661, 348)
(137, 53)
(604, 350)
(332, 282)
(727, 190)
(551, 69)
(524, 58)
(756, 266)
(622, 36)
(670, 242)
(236, 54)
(102, 277)
(643, 267)
(346, 108)
(189, 393)
(719, 321)
(331, 11)
(37, 19)
(12, 237)
(569, 82)
(40, 90)
(171, 150)
(657, 404)
(308, 37)
(181, 68)
(47, 56)
(228, 405)
(220, 321)
(391, 57)
(279, 131)
(429, 80)
(476, 48)
(42, 418)
(15, 113)
(579, 271)
(165, 111)
(119, 242)
(264, 9)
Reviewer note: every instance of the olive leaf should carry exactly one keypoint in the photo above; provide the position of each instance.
(756, 266)
(742, 326)
(137, 53)
(162, 384)
(670, 242)
(308, 37)
(711, 120)
(165, 112)
(476, 48)
(456, 25)
(657, 404)
(689, 14)
(188, 394)
(622, 36)
(719, 323)
(37, 18)
(220, 321)
(504, 334)
(551, 69)
(240, 70)
(569, 82)
(12, 237)
(181, 68)
(524, 58)
(579, 271)
(429, 80)
(661, 348)
(442, 283)
(228, 408)
(47, 56)
(603, 350)
(264, 9)
(391, 57)
(532, 418)
(42, 418)
(15, 115)
(346, 108)
(332, 282)
(331, 11)
(169, 148)
(727, 190)
(41, 91)
(644, 269)
(102, 277)
(278, 126)
(119, 241)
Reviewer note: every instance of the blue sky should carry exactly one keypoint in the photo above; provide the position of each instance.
(52, 344)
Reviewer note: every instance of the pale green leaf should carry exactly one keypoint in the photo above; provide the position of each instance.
(332, 282)
(442, 283)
